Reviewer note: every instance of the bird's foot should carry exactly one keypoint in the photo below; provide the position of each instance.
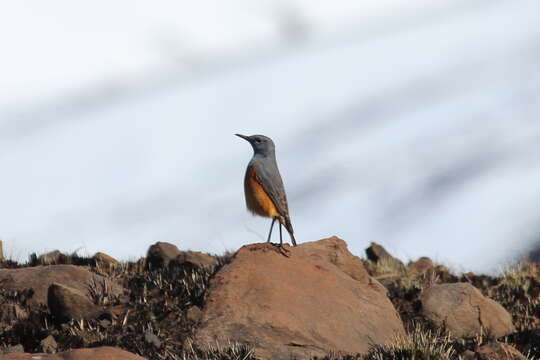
(281, 249)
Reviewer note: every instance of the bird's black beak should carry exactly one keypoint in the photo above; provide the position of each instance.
(244, 137)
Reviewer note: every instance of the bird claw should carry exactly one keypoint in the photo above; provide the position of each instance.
(281, 249)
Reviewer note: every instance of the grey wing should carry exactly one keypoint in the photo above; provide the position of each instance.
(268, 176)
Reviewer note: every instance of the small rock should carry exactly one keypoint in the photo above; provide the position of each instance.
(66, 303)
(151, 338)
(13, 349)
(104, 259)
(49, 345)
(469, 355)
(194, 314)
(378, 254)
(197, 259)
(499, 351)
(50, 258)
(39, 278)
(422, 266)
(464, 311)
(161, 254)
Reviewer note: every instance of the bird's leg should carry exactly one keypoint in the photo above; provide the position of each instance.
(283, 251)
(271, 226)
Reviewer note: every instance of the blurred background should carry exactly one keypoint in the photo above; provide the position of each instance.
(411, 123)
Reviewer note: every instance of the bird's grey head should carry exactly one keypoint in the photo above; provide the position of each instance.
(262, 145)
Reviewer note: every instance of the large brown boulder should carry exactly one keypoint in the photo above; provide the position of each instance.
(39, 279)
(101, 353)
(297, 302)
(464, 311)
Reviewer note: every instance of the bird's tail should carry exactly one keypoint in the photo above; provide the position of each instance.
(290, 230)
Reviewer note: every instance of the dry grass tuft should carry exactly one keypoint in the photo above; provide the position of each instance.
(419, 344)
(233, 351)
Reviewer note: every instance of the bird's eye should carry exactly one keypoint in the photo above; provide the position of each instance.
(257, 141)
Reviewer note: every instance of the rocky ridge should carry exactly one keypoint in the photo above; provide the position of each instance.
(316, 300)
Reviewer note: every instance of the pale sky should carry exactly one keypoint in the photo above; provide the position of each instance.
(51, 48)
(402, 122)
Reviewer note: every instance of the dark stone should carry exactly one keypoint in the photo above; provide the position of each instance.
(161, 254)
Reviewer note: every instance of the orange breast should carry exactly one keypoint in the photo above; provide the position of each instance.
(257, 201)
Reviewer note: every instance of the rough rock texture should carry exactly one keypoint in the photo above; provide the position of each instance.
(101, 353)
(499, 351)
(39, 279)
(196, 258)
(66, 303)
(161, 254)
(424, 265)
(104, 259)
(464, 311)
(300, 302)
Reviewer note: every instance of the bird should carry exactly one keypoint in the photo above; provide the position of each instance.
(263, 187)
